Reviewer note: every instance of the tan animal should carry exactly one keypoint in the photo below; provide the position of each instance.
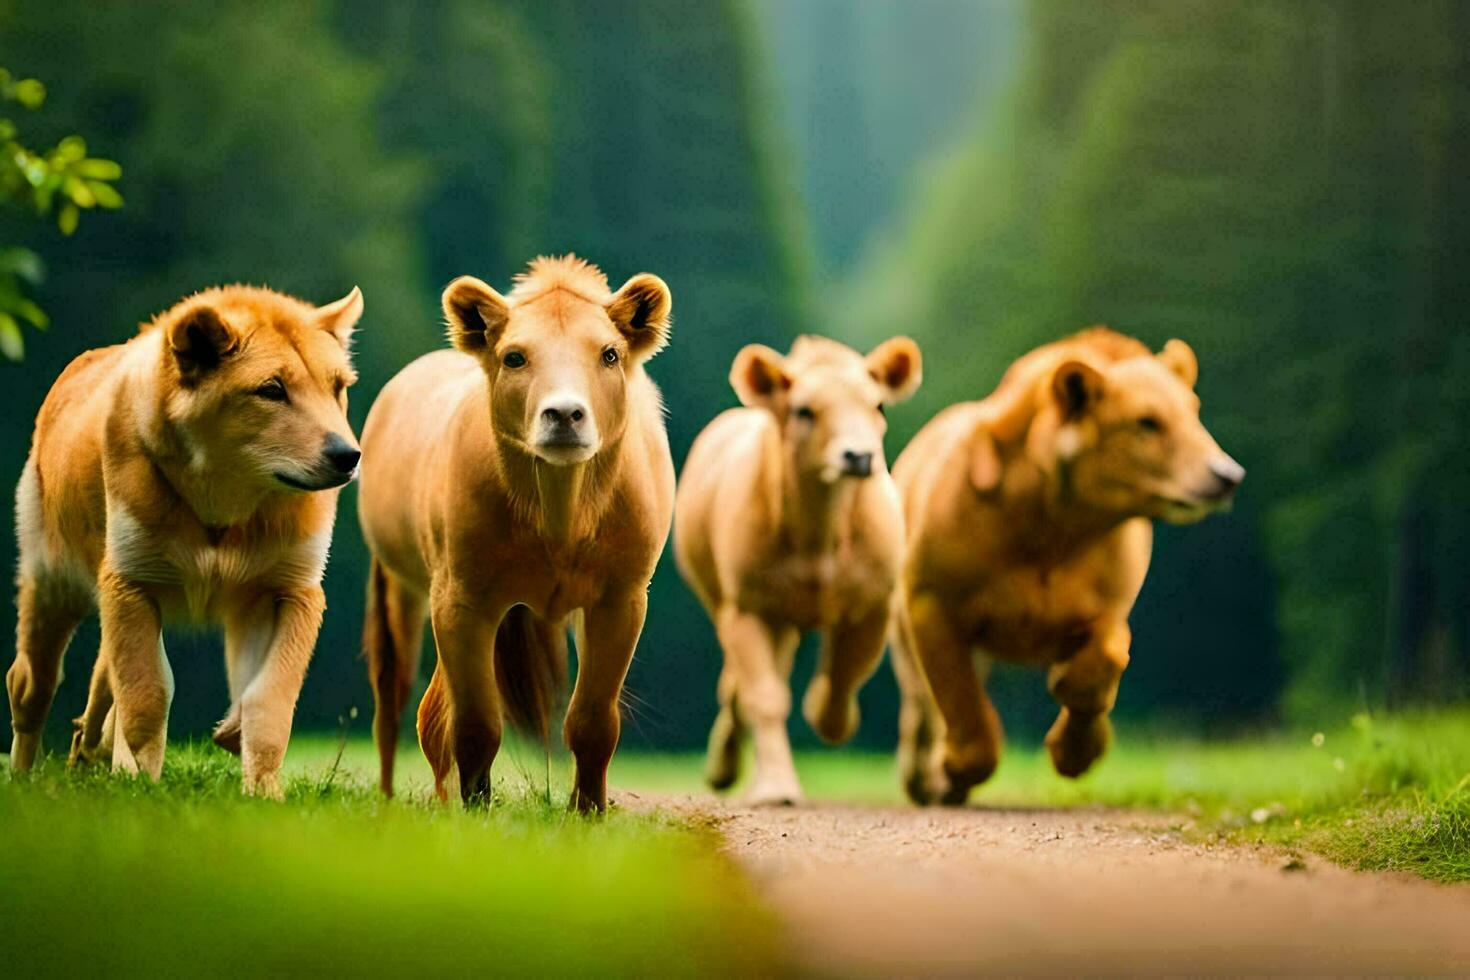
(786, 521)
(1028, 521)
(176, 477)
(513, 485)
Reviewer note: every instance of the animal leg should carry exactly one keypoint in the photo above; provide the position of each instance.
(970, 749)
(248, 633)
(467, 698)
(850, 654)
(393, 639)
(919, 723)
(722, 761)
(43, 631)
(761, 658)
(138, 673)
(610, 628)
(92, 739)
(268, 703)
(1086, 686)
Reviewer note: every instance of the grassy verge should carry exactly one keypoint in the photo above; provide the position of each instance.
(1374, 793)
(106, 874)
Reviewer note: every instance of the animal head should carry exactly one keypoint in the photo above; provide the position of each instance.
(261, 385)
(1124, 432)
(560, 352)
(829, 399)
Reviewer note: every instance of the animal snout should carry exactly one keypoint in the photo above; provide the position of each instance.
(857, 464)
(340, 454)
(563, 413)
(1228, 474)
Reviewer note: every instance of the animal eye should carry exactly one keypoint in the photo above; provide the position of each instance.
(273, 390)
(610, 356)
(805, 413)
(1149, 423)
(514, 359)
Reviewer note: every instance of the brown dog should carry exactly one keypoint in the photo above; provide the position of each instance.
(515, 484)
(787, 520)
(1028, 539)
(170, 479)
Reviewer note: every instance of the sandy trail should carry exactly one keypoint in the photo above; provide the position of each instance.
(872, 891)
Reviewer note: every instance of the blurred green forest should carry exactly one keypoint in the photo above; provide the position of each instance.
(1280, 183)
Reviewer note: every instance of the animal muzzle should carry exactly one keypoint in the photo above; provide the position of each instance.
(336, 466)
(857, 464)
(565, 430)
(1226, 474)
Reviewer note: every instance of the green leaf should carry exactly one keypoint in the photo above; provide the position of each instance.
(106, 195)
(79, 192)
(67, 219)
(96, 168)
(12, 345)
(23, 264)
(32, 313)
(30, 93)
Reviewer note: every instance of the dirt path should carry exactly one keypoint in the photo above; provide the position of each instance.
(887, 891)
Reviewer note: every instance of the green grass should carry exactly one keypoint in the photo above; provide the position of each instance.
(1374, 793)
(103, 874)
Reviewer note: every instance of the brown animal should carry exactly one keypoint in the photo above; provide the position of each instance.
(189, 474)
(1028, 521)
(787, 520)
(514, 485)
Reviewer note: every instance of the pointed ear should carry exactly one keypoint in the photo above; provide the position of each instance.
(200, 339)
(476, 314)
(897, 366)
(640, 311)
(985, 465)
(1179, 357)
(759, 377)
(1077, 388)
(340, 318)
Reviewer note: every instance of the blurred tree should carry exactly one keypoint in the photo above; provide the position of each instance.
(34, 181)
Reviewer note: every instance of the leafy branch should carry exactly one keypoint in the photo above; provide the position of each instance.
(63, 179)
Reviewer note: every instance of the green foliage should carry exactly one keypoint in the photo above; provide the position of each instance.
(36, 181)
(188, 877)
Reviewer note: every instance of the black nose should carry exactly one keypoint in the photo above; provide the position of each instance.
(857, 464)
(564, 413)
(341, 454)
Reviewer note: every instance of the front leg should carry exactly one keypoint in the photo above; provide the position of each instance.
(460, 717)
(249, 632)
(610, 629)
(970, 749)
(268, 700)
(850, 653)
(142, 684)
(760, 656)
(1086, 686)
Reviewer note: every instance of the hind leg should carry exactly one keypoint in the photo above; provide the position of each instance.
(92, 738)
(464, 636)
(248, 632)
(918, 720)
(722, 762)
(850, 653)
(44, 628)
(1086, 686)
(393, 646)
(761, 656)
